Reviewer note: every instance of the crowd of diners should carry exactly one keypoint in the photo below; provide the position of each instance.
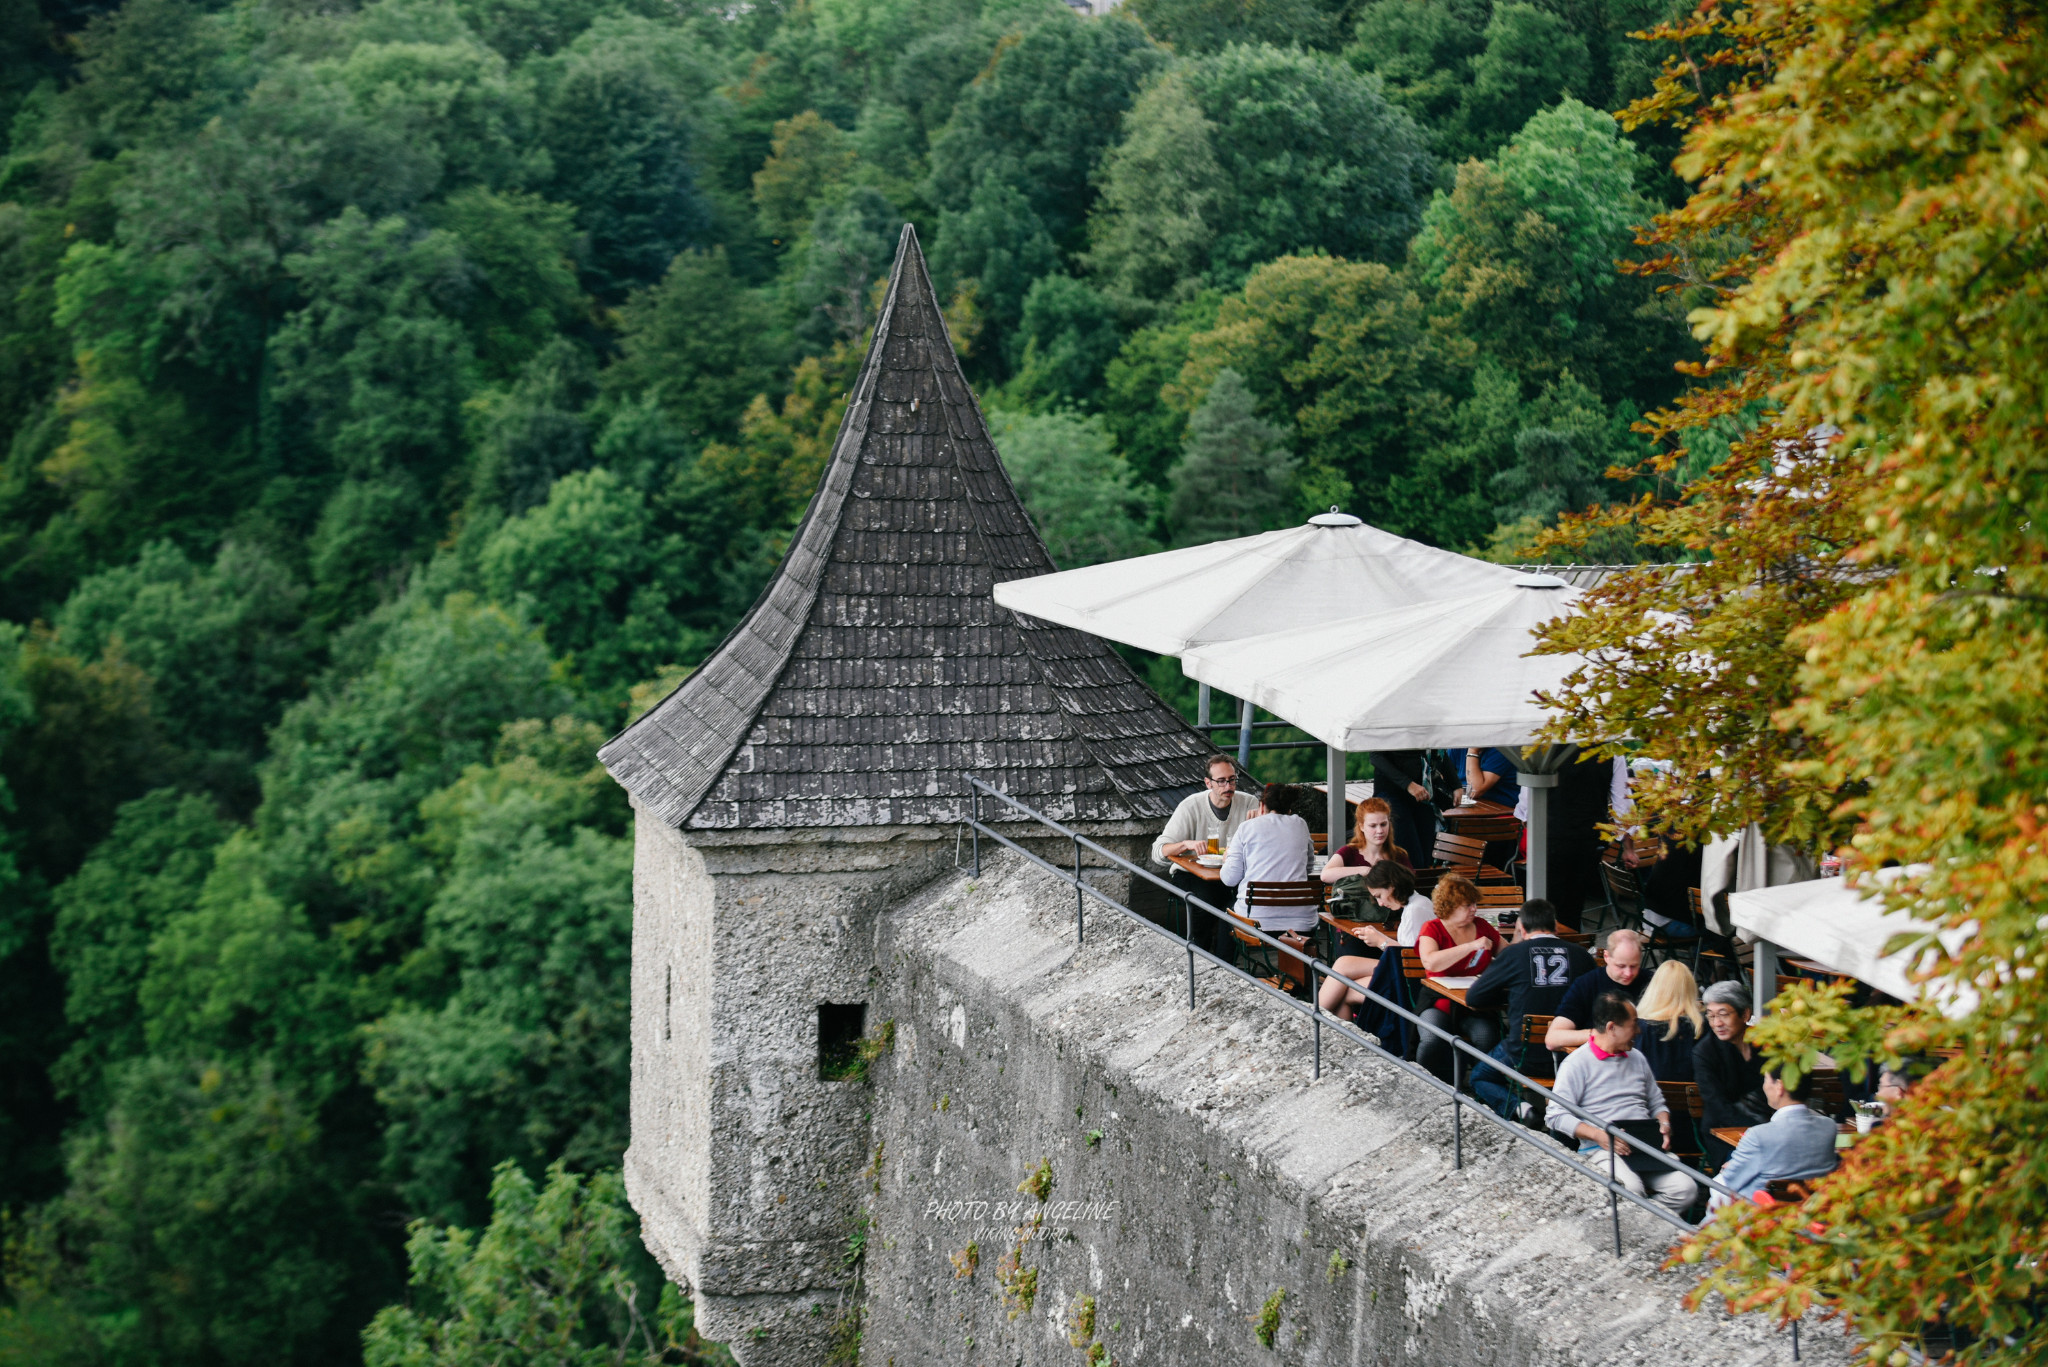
(1614, 1032)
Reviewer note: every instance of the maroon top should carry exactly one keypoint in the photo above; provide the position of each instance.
(1351, 857)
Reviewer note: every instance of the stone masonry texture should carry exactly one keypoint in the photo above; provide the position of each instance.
(1196, 1170)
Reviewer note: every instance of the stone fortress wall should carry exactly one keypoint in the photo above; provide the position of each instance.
(1189, 1166)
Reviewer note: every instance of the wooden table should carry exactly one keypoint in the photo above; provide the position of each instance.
(1451, 986)
(1198, 869)
(1451, 816)
(1730, 1135)
(1337, 926)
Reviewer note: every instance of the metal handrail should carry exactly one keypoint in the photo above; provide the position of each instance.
(1318, 969)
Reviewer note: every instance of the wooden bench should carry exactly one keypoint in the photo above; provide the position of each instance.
(1500, 896)
(1534, 1028)
(1789, 1191)
(1283, 970)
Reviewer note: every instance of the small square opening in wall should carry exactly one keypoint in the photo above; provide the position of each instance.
(840, 1027)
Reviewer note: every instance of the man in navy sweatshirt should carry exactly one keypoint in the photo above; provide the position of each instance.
(1528, 978)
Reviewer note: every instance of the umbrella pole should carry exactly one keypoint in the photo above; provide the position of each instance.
(1244, 736)
(1335, 774)
(1202, 709)
(1539, 786)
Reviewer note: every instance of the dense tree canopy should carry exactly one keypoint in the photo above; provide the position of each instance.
(397, 393)
(1857, 666)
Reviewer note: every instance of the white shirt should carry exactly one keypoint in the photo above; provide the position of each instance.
(1414, 917)
(1274, 848)
(1196, 819)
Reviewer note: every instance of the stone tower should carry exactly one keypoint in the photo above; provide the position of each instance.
(809, 777)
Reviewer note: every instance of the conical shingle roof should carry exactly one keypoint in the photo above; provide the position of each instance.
(876, 669)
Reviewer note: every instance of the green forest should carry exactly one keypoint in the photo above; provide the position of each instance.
(399, 396)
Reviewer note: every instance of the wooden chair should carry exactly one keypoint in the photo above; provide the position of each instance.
(1624, 896)
(1455, 851)
(1710, 965)
(1292, 974)
(1534, 1028)
(1411, 963)
(1500, 896)
(1829, 1097)
(1686, 1110)
(1580, 938)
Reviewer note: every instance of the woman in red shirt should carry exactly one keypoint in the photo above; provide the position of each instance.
(1456, 944)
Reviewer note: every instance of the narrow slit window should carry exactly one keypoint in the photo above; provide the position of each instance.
(668, 997)
(840, 1027)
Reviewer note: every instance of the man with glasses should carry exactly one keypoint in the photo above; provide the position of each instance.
(1212, 814)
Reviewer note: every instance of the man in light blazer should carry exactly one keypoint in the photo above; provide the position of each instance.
(1797, 1143)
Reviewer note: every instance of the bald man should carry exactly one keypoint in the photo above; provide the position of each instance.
(1623, 973)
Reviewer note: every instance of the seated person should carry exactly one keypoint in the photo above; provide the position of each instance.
(1489, 777)
(1671, 1022)
(1393, 888)
(1372, 840)
(1728, 1069)
(1455, 944)
(1273, 847)
(1611, 1082)
(1667, 902)
(1216, 813)
(1796, 1143)
(1619, 974)
(1892, 1087)
(1529, 977)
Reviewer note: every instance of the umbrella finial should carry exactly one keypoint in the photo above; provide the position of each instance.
(1333, 518)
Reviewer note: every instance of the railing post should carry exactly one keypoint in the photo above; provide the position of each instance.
(1187, 908)
(1613, 1196)
(975, 793)
(1315, 1010)
(1080, 896)
(1457, 1107)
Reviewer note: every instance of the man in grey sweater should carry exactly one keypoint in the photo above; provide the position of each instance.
(1610, 1081)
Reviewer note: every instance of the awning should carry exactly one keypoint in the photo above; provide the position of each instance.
(1431, 674)
(1832, 923)
(1331, 568)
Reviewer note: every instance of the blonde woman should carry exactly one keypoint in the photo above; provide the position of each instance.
(1672, 1022)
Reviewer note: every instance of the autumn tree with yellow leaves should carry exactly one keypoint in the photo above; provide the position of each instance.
(1859, 658)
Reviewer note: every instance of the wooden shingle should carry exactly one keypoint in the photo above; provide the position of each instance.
(876, 669)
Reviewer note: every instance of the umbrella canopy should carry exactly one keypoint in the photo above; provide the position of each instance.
(1826, 920)
(1450, 672)
(1332, 567)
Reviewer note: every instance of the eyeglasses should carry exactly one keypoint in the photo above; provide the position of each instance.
(1228, 781)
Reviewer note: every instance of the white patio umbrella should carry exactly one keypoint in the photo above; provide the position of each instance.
(1446, 673)
(1332, 567)
(1826, 920)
